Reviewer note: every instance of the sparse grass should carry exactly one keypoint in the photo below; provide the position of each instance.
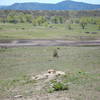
(27, 31)
(18, 60)
(81, 65)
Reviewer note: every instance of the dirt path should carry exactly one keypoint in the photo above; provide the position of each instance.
(47, 42)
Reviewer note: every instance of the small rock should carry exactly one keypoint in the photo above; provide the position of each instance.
(18, 96)
(93, 32)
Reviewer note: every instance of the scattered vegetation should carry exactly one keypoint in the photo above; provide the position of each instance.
(83, 22)
(58, 86)
(81, 64)
(64, 24)
(55, 53)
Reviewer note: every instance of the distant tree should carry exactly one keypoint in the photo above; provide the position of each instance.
(46, 24)
(61, 20)
(90, 20)
(3, 20)
(68, 24)
(34, 22)
(98, 23)
(83, 22)
(16, 19)
(22, 17)
(11, 19)
(39, 20)
(83, 25)
(28, 18)
(54, 20)
(57, 19)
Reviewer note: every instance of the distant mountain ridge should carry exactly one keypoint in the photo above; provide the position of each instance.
(64, 5)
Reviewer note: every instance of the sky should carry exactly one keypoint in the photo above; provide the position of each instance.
(9, 2)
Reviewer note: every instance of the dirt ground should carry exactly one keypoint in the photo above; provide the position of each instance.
(51, 96)
(46, 42)
(62, 95)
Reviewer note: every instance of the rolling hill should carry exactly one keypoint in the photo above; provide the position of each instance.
(64, 5)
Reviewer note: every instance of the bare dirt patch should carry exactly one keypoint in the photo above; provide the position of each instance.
(47, 42)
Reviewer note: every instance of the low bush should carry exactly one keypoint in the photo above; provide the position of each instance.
(55, 53)
(57, 86)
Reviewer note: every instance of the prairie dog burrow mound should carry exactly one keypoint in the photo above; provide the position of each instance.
(50, 74)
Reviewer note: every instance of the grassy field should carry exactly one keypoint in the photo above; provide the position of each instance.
(83, 64)
(28, 31)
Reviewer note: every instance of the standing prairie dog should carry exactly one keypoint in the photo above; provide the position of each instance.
(51, 71)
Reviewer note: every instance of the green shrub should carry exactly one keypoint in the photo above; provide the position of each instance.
(57, 86)
(55, 53)
(60, 86)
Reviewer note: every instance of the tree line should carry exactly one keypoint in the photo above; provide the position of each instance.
(38, 19)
